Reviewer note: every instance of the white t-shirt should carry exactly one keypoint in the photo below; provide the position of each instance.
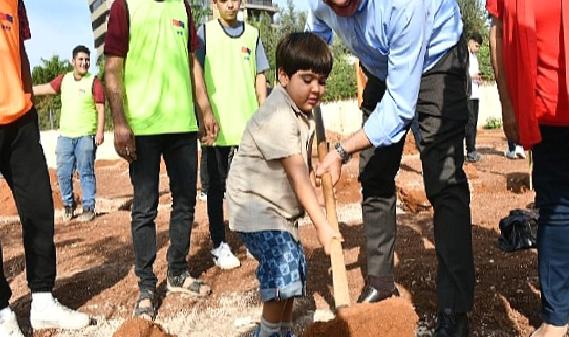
(474, 70)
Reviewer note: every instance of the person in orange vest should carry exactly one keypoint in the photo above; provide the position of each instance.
(23, 165)
(81, 128)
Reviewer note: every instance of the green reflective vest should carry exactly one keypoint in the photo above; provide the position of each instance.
(158, 89)
(78, 112)
(229, 73)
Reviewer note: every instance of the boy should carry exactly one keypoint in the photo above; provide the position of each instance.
(234, 61)
(268, 187)
(81, 127)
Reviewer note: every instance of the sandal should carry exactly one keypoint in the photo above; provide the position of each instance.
(144, 311)
(186, 284)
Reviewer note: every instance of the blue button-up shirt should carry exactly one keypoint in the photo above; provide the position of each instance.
(396, 41)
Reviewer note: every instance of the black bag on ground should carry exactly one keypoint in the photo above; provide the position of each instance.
(518, 230)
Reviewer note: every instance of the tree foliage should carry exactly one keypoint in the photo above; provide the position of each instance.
(49, 107)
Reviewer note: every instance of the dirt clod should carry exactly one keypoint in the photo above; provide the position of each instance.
(139, 327)
(394, 317)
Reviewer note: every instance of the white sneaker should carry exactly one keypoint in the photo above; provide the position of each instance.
(57, 316)
(9, 326)
(224, 258)
(520, 153)
(202, 196)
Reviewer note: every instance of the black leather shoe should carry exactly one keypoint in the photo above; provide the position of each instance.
(372, 295)
(451, 324)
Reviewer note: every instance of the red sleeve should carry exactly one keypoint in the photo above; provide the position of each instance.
(56, 83)
(193, 41)
(25, 33)
(116, 38)
(98, 92)
(494, 8)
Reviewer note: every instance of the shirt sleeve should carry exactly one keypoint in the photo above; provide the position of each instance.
(278, 137)
(318, 27)
(388, 122)
(56, 83)
(25, 33)
(116, 38)
(494, 8)
(200, 52)
(98, 92)
(262, 63)
(193, 41)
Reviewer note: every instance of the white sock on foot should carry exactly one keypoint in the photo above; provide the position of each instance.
(269, 329)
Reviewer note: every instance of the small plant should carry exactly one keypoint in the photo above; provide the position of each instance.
(493, 123)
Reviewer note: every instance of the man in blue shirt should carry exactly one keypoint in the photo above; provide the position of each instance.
(416, 63)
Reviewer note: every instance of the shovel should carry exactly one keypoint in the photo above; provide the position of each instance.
(339, 276)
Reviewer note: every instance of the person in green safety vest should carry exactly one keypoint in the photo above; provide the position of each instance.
(157, 94)
(234, 62)
(81, 128)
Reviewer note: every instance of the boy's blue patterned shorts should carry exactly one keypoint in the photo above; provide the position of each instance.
(282, 265)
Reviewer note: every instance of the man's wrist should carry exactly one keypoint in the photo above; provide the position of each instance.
(342, 153)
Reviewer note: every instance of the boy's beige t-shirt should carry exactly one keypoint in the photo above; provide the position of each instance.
(259, 194)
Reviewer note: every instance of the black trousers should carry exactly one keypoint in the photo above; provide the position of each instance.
(471, 125)
(442, 115)
(22, 162)
(180, 155)
(218, 162)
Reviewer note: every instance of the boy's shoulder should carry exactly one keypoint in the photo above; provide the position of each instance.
(276, 107)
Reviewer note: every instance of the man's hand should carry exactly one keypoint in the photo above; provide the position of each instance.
(510, 124)
(209, 130)
(99, 138)
(332, 164)
(124, 143)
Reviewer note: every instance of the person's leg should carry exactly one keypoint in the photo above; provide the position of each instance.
(85, 156)
(378, 168)
(27, 175)
(443, 112)
(217, 164)
(65, 160)
(551, 181)
(286, 321)
(144, 174)
(470, 130)
(204, 178)
(180, 156)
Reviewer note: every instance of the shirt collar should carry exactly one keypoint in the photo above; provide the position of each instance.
(289, 100)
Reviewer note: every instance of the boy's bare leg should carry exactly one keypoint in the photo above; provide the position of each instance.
(286, 322)
(273, 314)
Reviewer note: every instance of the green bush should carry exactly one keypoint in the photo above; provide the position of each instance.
(493, 123)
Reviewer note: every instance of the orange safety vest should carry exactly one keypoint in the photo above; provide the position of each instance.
(14, 102)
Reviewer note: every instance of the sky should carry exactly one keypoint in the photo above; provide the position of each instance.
(58, 26)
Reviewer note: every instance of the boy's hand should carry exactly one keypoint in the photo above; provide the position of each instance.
(210, 129)
(99, 138)
(325, 235)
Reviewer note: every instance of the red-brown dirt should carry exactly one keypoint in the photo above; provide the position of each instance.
(138, 327)
(394, 317)
(95, 259)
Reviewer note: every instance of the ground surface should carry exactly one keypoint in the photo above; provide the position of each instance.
(95, 259)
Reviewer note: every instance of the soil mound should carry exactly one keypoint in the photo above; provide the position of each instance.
(139, 327)
(394, 317)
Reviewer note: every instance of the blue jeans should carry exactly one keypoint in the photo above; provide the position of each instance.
(76, 154)
(551, 181)
(180, 156)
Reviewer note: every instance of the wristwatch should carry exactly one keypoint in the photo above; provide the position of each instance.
(344, 155)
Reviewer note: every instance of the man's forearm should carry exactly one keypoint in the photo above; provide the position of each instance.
(261, 88)
(496, 57)
(100, 117)
(114, 89)
(200, 91)
(26, 72)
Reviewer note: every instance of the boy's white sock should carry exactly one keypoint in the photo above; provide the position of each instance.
(268, 329)
(42, 301)
(286, 327)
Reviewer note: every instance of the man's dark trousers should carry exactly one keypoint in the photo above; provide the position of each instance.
(473, 106)
(442, 115)
(22, 162)
(180, 156)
